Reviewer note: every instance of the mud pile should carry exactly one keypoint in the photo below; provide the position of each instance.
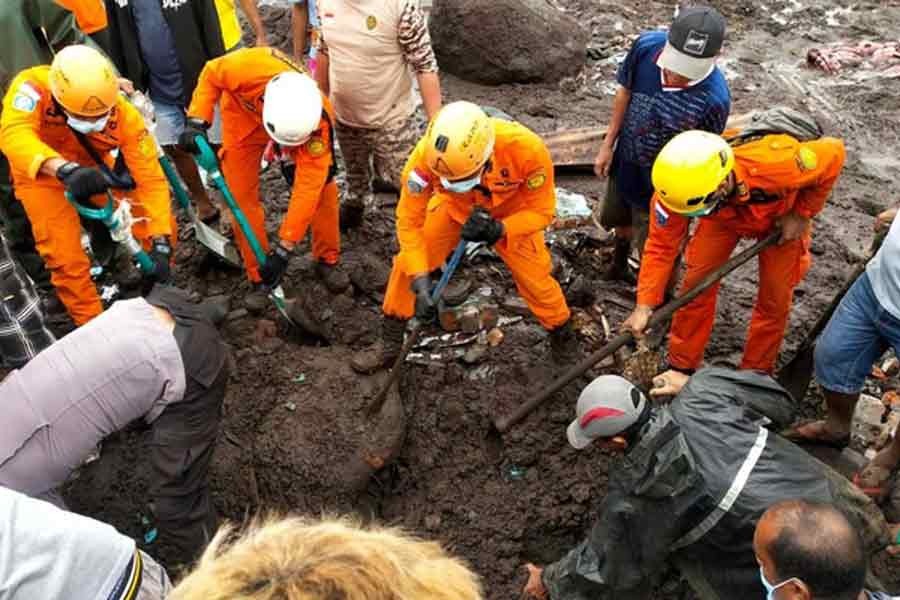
(525, 496)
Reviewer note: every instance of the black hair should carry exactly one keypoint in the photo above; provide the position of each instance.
(818, 545)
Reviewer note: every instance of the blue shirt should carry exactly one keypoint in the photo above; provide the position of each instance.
(158, 52)
(656, 115)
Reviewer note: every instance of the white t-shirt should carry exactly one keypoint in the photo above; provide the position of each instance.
(47, 553)
(884, 271)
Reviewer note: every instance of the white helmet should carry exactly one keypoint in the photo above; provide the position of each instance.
(292, 108)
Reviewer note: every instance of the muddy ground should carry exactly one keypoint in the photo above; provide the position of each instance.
(291, 423)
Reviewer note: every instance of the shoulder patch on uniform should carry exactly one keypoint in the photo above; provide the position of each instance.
(536, 180)
(417, 181)
(146, 145)
(807, 159)
(316, 147)
(662, 216)
(26, 98)
(371, 22)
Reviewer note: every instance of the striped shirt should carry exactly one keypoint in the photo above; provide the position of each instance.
(656, 114)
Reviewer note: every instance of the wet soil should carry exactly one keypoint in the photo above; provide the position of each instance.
(293, 422)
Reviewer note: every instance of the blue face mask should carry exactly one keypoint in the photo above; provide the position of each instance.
(462, 186)
(770, 589)
(86, 127)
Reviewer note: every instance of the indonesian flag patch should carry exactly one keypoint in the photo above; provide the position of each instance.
(418, 181)
(662, 217)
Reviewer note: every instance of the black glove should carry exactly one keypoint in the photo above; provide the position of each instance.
(482, 227)
(161, 254)
(192, 128)
(276, 264)
(82, 182)
(425, 309)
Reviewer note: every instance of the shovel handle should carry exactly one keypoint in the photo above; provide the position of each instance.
(413, 337)
(503, 423)
(207, 159)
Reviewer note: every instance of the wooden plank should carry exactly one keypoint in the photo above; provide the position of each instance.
(576, 148)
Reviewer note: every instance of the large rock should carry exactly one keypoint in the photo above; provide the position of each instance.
(506, 41)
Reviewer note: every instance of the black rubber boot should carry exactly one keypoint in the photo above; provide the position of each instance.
(351, 217)
(618, 270)
(383, 353)
(564, 344)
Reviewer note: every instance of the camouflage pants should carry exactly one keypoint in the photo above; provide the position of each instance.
(374, 153)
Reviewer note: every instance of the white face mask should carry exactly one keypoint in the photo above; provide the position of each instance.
(86, 127)
(463, 186)
(771, 589)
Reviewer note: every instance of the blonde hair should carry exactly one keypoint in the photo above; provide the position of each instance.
(301, 559)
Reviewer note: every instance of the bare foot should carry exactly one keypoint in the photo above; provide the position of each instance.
(816, 432)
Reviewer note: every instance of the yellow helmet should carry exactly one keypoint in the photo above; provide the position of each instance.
(459, 141)
(83, 81)
(689, 169)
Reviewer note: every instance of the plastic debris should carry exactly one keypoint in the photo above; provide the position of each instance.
(150, 532)
(301, 378)
(570, 205)
(515, 473)
(291, 406)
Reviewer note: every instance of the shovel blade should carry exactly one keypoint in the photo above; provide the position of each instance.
(797, 374)
(216, 243)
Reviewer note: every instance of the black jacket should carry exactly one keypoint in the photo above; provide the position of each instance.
(195, 28)
(667, 496)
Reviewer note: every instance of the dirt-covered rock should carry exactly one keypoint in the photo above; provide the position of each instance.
(507, 41)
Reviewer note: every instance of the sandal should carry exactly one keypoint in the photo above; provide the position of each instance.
(874, 485)
(804, 434)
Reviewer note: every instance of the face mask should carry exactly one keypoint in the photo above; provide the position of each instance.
(770, 589)
(86, 127)
(463, 186)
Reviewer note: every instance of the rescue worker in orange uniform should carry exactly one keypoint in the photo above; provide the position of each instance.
(468, 160)
(264, 95)
(744, 191)
(53, 118)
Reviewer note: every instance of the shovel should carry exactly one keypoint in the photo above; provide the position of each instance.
(413, 336)
(206, 158)
(207, 236)
(796, 375)
(503, 423)
(119, 222)
(203, 233)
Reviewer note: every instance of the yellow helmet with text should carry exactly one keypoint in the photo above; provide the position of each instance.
(459, 141)
(689, 169)
(83, 81)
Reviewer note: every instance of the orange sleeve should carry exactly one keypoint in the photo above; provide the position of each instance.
(539, 190)
(313, 161)
(416, 189)
(816, 183)
(667, 232)
(90, 15)
(213, 79)
(151, 196)
(20, 124)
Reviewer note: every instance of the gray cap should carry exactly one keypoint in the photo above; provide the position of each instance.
(695, 39)
(606, 407)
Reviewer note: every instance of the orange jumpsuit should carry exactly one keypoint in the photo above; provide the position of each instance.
(90, 15)
(238, 80)
(32, 130)
(517, 189)
(775, 175)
